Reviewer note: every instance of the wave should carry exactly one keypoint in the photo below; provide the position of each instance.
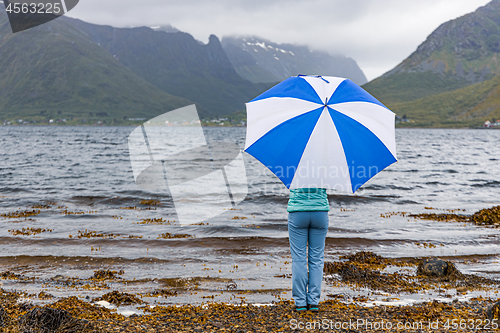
(14, 190)
(166, 201)
(490, 183)
(437, 183)
(387, 187)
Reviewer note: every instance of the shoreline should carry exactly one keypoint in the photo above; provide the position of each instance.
(225, 126)
(334, 316)
(381, 286)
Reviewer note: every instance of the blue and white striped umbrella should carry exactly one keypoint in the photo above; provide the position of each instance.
(320, 131)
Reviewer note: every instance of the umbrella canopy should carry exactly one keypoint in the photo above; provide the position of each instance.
(320, 131)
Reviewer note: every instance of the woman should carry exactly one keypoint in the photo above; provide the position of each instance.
(307, 227)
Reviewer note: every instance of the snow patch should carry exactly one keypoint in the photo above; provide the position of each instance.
(262, 45)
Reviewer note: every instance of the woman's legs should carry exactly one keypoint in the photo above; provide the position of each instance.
(298, 229)
(317, 235)
(303, 228)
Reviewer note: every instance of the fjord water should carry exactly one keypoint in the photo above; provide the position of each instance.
(82, 178)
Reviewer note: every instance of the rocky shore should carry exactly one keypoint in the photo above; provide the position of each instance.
(372, 275)
(337, 314)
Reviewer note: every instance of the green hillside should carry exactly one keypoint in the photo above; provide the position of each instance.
(178, 64)
(56, 71)
(404, 87)
(465, 107)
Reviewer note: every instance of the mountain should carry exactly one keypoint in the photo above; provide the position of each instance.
(68, 68)
(259, 60)
(465, 107)
(57, 71)
(459, 53)
(177, 64)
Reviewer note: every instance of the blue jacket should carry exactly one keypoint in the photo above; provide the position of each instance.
(308, 200)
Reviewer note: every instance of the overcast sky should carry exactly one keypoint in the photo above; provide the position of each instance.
(378, 34)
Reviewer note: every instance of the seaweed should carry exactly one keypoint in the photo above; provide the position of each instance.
(364, 269)
(49, 320)
(4, 317)
(158, 221)
(107, 274)
(118, 298)
(483, 217)
(29, 231)
(169, 235)
(163, 292)
(150, 202)
(94, 234)
(487, 216)
(18, 214)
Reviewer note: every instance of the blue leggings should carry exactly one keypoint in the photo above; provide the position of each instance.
(304, 228)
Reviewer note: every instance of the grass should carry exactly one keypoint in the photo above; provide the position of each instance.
(465, 107)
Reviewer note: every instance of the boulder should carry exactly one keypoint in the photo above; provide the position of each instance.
(494, 311)
(432, 267)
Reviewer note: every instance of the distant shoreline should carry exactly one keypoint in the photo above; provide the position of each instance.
(220, 126)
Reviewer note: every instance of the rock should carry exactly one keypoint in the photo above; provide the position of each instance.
(118, 298)
(4, 317)
(494, 311)
(432, 267)
(231, 285)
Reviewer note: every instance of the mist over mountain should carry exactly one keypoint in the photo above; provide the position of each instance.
(166, 28)
(260, 60)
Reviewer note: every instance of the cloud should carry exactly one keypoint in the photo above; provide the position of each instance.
(378, 34)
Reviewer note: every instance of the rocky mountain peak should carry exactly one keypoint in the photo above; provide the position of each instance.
(260, 60)
(466, 47)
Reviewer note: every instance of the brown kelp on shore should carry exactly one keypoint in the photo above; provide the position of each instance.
(484, 217)
(363, 269)
(366, 269)
(73, 315)
(119, 298)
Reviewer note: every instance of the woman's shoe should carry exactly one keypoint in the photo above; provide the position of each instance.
(300, 308)
(312, 307)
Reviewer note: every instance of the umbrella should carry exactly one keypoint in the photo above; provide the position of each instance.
(320, 131)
